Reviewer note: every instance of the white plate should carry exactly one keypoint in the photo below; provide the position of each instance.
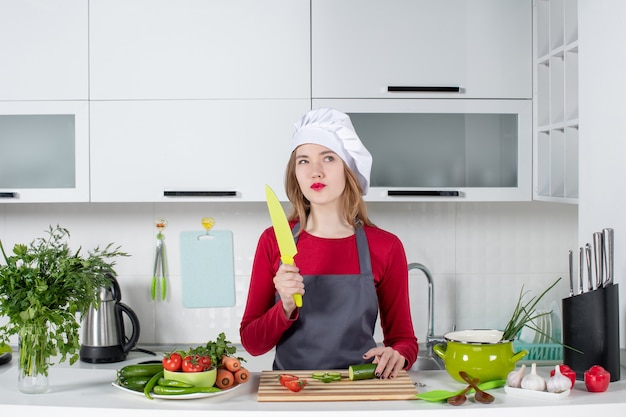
(538, 323)
(548, 337)
(541, 395)
(179, 397)
(527, 335)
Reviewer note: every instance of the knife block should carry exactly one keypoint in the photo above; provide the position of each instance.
(591, 325)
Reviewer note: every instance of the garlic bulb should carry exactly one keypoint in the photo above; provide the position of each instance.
(514, 378)
(558, 382)
(534, 381)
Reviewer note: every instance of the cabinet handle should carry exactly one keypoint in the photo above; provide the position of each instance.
(8, 195)
(199, 193)
(420, 193)
(422, 89)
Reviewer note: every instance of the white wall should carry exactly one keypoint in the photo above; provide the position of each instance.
(602, 66)
(479, 253)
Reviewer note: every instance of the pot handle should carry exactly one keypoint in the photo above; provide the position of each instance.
(519, 355)
(127, 345)
(440, 350)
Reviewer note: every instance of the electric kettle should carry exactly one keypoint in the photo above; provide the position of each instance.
(103, 335)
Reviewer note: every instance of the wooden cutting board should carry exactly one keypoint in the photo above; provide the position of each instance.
(398, 388)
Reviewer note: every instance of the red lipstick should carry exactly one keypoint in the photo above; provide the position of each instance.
(317, 186)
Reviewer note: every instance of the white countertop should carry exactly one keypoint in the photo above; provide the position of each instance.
(86, 389)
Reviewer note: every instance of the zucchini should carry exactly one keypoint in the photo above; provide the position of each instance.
(131, 371)
(327, 376)
(135, 380)
(362, 371)
(135, 383)
(165, 390)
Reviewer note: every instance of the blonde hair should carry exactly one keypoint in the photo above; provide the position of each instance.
(354, 207)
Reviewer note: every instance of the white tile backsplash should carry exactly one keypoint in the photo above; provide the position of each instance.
(480, 255)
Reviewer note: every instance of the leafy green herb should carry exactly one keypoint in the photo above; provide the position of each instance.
(524, 314)
(216, 349)
(45, 289)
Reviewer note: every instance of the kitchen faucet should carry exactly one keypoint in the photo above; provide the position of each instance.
(431, 339)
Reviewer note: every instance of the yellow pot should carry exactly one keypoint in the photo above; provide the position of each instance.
(480, 353)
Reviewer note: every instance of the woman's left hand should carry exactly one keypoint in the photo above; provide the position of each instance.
(389, 361)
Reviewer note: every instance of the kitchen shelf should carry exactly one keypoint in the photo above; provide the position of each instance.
(555, 109)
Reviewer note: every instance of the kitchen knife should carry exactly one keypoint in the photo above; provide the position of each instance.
(607, 237)
(599, 258)
(581, 269)
(571, 273)
(284, 236)
(589, 270)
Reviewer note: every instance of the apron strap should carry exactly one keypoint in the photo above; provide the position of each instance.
(365, 263)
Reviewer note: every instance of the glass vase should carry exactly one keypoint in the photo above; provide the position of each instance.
(32, 373)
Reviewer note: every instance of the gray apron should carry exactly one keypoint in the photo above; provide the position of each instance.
(335, 325)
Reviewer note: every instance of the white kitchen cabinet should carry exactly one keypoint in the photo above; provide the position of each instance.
(190, 150)
(45, 151)
(556, 137)
(444, 150)
(422, 48)
(199, 49)
(44, 50)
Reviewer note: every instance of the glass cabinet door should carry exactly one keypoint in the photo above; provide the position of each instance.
(470, 150)
(44, 151)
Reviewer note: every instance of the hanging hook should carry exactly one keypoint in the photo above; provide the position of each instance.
(207, 223)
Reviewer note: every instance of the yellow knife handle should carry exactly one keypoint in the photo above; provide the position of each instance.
(298, 299)
(288, 260)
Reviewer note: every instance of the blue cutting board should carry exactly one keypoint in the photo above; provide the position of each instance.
(207, 269)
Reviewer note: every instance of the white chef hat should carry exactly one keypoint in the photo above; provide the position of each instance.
(333, 129)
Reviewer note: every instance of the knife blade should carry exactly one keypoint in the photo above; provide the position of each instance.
(589, 270)
(599, 258)
(607, 236)
(571, 273)
(581, 269)
(284, 236)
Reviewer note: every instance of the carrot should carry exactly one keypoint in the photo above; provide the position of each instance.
(242, 375)
(231, 363)
(225, 378)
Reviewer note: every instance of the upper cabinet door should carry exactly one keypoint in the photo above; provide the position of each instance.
(190, 150)
(43, 50)
(423, 48)
(199, 49)
(45, 151)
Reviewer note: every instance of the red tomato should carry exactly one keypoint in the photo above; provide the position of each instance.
(295, 385)
(597, 379)
(172, 361)
(191, 364)
(205, 361)
(568, 372)
(283, 378)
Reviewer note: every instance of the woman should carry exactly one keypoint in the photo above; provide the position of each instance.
(346, 268)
